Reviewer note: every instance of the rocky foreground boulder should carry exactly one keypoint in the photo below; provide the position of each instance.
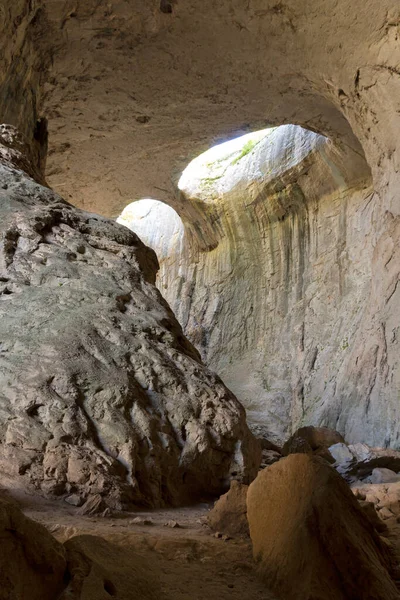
(35, 566)
(32, 562)
(229, 514)
(311, 538)
(99, 569)
(100, 392)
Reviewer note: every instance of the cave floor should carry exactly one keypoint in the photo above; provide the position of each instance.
(187, 562)
(182, 563)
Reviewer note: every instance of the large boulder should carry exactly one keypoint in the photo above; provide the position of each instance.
(311, 538)
(312, 440)
(358, 461)
(32, 562)
(101, 393)
(229, 514)
(383, 476)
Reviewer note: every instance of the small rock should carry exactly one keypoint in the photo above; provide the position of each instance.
(341, 453)
(94, 505)
(268, 445)
(218, 535)
(360, 495)
(172, 524)
(385, 513)
(141, 521)
(229, 512)
(202, 520)
(74, 500)
(309, 440)
(269, 457)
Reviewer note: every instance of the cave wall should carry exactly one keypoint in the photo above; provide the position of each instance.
(275, 306)
(25, 56)
(131, 97)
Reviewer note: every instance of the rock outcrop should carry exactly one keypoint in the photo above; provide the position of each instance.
(311, 537)
(101, 393)
(229, 514)
(313, 440)
(32, 563)
(358, 461)
(384, 497)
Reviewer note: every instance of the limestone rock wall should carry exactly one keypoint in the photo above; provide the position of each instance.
(276, 305)
(100, 392)
(133, 93)
(27, 41)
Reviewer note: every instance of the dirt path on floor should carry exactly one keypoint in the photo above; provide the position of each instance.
(180, 563)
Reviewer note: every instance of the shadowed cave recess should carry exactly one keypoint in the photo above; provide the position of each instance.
(199, 299)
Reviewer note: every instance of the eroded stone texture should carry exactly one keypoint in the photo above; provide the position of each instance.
(311, 537)
(99, 570)
(100, 391)
(229, 514)
(313, 440)
(274, 295)
(134, 92)
(32, 563)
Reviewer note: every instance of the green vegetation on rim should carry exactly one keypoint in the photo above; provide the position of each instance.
(247, 148)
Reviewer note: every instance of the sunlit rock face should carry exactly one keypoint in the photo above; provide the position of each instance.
(100, 392)
(155, 223)
(275, 302)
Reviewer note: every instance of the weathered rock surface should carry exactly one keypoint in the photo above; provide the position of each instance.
(370, 511)
(383, 476)
(131, 98)
(99, 570)
(313, 440)
(311, 538)
(257, 282)
(269, 457)
(358, 461)
(384, 496)
(229, 514)
(32, 562)
(94, 505)
(100, 392)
